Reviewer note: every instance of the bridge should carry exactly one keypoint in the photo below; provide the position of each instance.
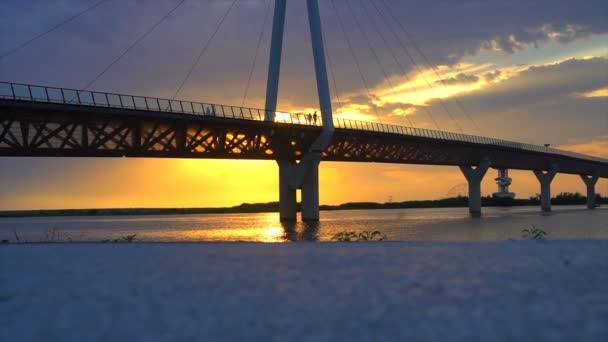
(54, 122)
(59, 122)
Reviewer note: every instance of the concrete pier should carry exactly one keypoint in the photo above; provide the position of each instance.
(474, 177)
(288, 206)
(310, 192)
(545, 178)
(590, 182)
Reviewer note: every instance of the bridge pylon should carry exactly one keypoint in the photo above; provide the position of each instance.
(590, 181)
(545, 178)
(302, 175)
(474, 177)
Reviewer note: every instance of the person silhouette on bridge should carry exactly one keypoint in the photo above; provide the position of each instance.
(309, 118)
(315, 117)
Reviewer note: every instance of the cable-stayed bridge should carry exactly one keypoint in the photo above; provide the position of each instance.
(60, 122)
(55, 122)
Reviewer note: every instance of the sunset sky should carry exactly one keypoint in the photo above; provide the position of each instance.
(528, 71)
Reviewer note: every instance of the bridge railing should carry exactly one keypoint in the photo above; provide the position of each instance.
(26, 92)
(434, 134)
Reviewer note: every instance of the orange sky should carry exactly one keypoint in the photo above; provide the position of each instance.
(213, 183)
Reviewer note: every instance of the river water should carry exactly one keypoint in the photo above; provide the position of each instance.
(436, 224)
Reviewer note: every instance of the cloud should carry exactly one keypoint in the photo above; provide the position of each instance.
(536, 104)
(492, 75)
(596, 147)
(564, 35)
(532, 37)
(461, 78)
(601, 92)
(444, 31)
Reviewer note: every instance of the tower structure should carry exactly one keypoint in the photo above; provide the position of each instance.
(503, 181)
(304, 175)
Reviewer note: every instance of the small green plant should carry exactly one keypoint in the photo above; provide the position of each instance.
(533, 233)
(351, 236)
(123, 239)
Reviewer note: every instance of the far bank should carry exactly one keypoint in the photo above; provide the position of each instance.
(565, 198)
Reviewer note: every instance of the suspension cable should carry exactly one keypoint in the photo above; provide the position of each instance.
(376, 57)
(44, 33)
(418, 68)
(399, 64)
(139, 39)
(204, 48)
(257, 51)
(431, 65)
(352, 52)
(331, 72)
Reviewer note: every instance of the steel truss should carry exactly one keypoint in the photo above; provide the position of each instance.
(37, 129)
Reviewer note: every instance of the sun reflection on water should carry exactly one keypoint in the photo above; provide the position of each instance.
(253, 228)
(259, 228)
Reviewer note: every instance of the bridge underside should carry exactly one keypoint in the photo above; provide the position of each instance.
(32, 129)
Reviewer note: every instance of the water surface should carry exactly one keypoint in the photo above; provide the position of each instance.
(435, 224)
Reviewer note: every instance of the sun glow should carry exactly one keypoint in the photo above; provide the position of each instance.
(602, 92)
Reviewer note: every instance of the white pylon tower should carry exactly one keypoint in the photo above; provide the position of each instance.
(503, 181)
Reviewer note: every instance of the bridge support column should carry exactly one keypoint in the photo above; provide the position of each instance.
(288, 206)
(305, 176)
(474, 177)
(310, 192)
(590, 182)
(545, 179)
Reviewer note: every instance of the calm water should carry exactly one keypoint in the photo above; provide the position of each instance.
(448, 224)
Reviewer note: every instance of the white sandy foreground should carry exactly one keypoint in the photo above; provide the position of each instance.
(507, 291)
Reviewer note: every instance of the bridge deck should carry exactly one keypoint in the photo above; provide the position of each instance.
(46, 121)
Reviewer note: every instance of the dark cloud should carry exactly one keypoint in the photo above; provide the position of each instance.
(534, 36)
(461, 78)
(540, 104)
(492, 75)
(444, 30)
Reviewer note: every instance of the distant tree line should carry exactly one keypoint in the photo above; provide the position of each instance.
(563, 198)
